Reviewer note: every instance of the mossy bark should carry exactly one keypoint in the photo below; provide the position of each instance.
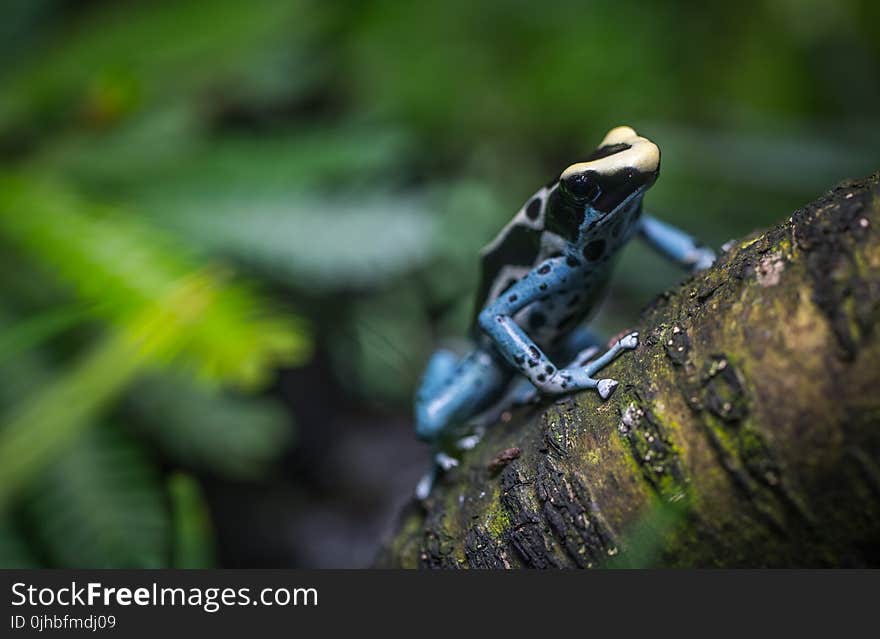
(745, 430)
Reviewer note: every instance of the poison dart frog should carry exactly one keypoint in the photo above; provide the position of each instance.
(541, 278)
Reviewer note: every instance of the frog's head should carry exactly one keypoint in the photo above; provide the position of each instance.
(611, 181)
(624, 164)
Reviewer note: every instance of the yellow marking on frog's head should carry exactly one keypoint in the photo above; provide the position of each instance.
(621, 149)
(621, 169)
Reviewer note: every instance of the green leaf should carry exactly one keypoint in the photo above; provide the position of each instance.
(315, 244)
(203, 427)
(45, 423)
(118, 59)
(193, 533)
(260, 203)
(14, 551)
(101, 505)
(165, 159)
(23, 369)
(35, 330)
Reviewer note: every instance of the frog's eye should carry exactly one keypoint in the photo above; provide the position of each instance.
(582, 187)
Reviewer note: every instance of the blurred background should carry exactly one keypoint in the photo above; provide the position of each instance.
(231, 233)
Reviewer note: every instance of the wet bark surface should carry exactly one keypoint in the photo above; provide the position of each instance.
(745, 430)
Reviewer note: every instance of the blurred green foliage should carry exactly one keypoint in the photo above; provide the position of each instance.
(187, 186)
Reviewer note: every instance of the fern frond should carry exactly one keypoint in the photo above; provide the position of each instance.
(135, 277)
(163, 309)
(101, 505)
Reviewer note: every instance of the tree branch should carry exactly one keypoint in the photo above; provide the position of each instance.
(745, 431)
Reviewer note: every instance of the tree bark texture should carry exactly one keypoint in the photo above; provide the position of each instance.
(745, 430)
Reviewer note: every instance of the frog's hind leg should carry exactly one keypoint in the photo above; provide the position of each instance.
(453, 391)
(439, 370)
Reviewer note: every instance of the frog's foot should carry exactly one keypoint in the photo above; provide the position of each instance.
(630, 342)
(442, 463)
(470, 441)
(426, 485)
(701, 258)
(605, 387)
(575, 379)
(617, 337)
(581, 376)
(445, 462)
(626, 343)
(583, 360)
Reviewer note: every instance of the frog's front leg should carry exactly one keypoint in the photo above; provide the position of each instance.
(578, 348)
(676, 244)
(550, 278)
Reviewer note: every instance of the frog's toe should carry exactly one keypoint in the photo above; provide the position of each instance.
(425, 486)
(468, 443)
(630, 341)
(704, 258)
(445, 461)
(606, 387)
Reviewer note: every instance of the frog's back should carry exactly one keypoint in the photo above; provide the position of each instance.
(519, 246)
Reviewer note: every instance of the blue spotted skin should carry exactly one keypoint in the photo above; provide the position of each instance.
(543, 277)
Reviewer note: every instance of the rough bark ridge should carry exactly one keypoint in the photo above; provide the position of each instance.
(745, 431)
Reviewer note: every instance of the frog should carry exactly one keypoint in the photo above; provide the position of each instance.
(541, 279)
